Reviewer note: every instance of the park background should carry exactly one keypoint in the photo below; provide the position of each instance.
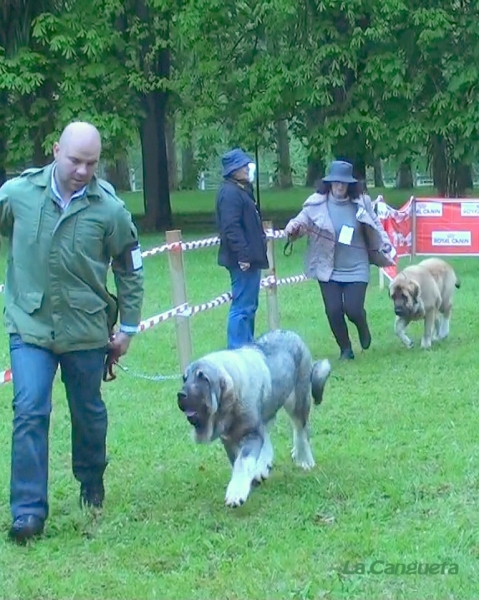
(391, 85)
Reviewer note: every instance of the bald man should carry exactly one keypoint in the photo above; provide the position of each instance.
(65, 227)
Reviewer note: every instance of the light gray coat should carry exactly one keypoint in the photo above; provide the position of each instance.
(315, 222)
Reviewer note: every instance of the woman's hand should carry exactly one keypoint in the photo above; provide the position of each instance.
(292, 229)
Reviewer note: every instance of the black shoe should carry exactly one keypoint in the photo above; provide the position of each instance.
(25, 528)
(347, 354)
(92, 495)
(365, 338)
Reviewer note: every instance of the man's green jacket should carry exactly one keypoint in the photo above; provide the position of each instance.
(56, 293)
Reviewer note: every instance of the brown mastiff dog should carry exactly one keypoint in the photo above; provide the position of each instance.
(424, 292)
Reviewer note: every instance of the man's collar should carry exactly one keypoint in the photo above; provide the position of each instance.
(56, 192)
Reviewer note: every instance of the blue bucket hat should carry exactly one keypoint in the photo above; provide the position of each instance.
(233, 160)
(341, 172)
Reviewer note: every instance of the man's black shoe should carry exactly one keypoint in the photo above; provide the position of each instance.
(92, 495)
(25, 528)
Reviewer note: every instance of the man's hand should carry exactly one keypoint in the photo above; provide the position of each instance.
(119, 344)
(244, 266)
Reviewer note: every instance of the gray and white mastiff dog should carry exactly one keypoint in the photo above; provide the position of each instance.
(234, 395)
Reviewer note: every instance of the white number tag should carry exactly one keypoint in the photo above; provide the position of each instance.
(346, 235)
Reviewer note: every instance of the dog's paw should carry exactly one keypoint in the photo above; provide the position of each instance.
(262, 473)
(238, 490)
(303, 459)
(306, 465)
(263, 466)
(237, 493)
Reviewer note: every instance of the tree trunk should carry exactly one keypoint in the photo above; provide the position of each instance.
(42, 127)
(438, 160)
(158, 215)
(3, 138)
(405, 179)
(3, 160)
(118, 174)
(452, 178)
(39, 158)
(315, 170)
(171, 153)
(284, 175)
(359, 167)
(464, 178)
(188, 170)
(378, 173)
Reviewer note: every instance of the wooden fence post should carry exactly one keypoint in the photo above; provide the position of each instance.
(381, 279)
(271, 290)
(413, 229)
(178, 285)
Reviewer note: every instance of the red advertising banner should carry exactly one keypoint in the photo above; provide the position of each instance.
(447, 226)
(437, 226)
(398, 226)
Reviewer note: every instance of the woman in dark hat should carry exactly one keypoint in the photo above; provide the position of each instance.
(345, 236)
(243, 244)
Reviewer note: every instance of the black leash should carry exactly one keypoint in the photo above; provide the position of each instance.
(288, 247)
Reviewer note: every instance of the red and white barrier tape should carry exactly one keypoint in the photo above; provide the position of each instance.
(169, 314)
(5, 376)
(292, 279)
(187, 311)
(204, 243)
(184, 309)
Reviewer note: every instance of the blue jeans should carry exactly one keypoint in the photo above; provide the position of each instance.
(245, 286)
(33, 371)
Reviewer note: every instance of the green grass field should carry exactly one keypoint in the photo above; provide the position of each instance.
(194, 210)
(397, 475)
(196, 201)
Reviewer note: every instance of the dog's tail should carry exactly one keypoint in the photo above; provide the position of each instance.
(319, 376)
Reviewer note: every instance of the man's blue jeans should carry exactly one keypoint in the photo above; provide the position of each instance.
(33, 371)
(245, 286)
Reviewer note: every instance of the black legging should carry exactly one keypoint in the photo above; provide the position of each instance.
(342, 299)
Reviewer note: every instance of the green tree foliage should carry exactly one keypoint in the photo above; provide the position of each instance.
(24, 108)
(366, 79)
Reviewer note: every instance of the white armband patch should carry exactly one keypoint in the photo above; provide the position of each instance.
(136, 259)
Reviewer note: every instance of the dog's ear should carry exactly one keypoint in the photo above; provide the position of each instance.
(186, 372)
(222, 385)
(415, 289)
(202, 375)
(225, 390)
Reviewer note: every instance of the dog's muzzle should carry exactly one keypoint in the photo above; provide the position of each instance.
(190, 413)
(400, 311)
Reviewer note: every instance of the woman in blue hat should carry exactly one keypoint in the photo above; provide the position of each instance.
(243, 244)
(345, 236)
